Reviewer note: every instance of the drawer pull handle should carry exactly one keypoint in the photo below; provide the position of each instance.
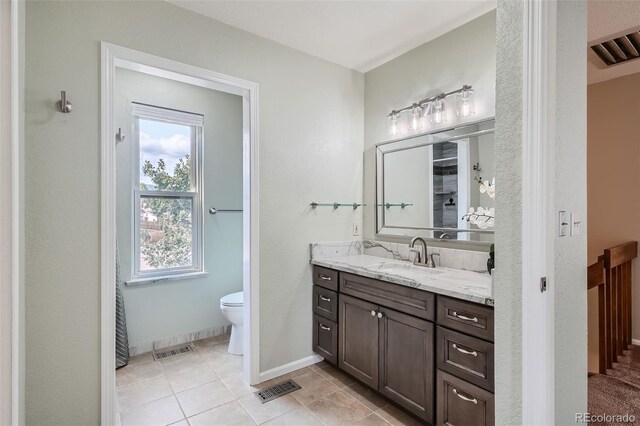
(324, 298)
(463, 318)
(324, 327)
(464, 398)
(380, 315)
(325, 278)
(464, 351)
(373, 313)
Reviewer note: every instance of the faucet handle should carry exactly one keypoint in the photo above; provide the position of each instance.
(431, 263)
(418, 255)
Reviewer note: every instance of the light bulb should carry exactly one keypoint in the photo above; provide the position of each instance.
(464, 100)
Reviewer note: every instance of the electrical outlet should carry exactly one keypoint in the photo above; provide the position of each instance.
(356, 229)
(576, 222)
(563, 223)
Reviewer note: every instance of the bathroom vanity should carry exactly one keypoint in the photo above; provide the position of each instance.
(421, 337)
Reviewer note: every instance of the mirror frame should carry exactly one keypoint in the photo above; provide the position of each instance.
(462, 131)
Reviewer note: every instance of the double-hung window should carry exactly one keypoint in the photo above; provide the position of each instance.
(167, 192)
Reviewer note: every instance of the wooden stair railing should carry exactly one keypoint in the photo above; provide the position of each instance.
(618, 281)
(595, 278)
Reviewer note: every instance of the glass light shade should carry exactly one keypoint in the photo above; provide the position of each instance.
(437, 111)
(394, 125)
(464, 102)
(414, 122)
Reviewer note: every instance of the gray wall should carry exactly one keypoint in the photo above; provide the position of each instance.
(466, 55)
(311, 119)
(177, 308)
(570, 253)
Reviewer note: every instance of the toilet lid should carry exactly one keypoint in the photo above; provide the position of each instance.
(233, 299)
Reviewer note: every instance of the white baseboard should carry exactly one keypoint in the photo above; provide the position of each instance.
(143, 348)
(288, 368)
(635, 341)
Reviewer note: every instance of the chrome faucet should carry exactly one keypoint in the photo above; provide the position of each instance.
(427, 261)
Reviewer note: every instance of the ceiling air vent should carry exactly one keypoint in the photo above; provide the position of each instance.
(623, 48)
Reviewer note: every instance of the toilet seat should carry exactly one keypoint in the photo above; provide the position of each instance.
(232, 300)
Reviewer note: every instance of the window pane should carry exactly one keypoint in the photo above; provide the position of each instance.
(166, 240)
(165, 156)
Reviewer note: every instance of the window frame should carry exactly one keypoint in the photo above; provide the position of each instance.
(196, 123)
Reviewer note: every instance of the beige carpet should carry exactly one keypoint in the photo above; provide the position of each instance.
(617, 392)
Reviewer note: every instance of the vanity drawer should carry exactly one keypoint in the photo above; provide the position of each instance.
(325, 303)
(459, 403)
(466, 357)
(325, 338)
(408, 300)
(325, 277)
(469, 318)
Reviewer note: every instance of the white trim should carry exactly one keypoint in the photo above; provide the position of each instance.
(158, 279)
(635, 341)
(159, 113)
(116, 56)
(17, 268)
(290, 367)
(537, 200)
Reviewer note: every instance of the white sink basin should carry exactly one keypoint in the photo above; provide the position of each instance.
(408, 269)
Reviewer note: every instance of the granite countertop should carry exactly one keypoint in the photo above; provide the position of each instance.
(461, 284)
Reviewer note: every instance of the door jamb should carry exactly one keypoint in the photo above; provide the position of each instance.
(538, 222)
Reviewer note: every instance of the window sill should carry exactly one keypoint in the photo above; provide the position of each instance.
(160, 279)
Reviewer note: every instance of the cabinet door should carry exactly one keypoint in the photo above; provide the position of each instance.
(358, 344)
(406, 362)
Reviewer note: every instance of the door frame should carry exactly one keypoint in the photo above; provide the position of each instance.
(12, 214)
(538, 179)
(114, 56)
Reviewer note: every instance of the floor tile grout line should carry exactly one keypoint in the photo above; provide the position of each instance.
(313, 415)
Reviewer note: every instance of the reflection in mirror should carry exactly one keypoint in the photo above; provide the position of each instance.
(427, 184)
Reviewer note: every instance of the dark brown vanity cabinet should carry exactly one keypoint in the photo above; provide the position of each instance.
(389, 351)
(399, 341)
(406, 362)
(358, 339)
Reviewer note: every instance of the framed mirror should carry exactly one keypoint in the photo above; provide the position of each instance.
(426, 184)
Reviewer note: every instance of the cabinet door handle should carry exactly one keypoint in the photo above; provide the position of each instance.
(324, 327)
(380, 315)
(463, 318)
(373, 313)
(325, 278)
(464, 398)
(326, 299)
(464, 351)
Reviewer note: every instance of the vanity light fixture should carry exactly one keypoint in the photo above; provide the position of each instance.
(464, 102)
(414, 118)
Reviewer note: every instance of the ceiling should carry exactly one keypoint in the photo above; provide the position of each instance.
(607, 18)
(356, 34)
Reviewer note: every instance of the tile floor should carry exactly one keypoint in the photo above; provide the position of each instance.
(205, 387)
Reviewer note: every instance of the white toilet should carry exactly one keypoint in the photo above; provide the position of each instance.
(232, 307)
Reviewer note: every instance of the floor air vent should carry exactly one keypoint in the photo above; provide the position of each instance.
(620, 49)
(172, 352)
(277, 391)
